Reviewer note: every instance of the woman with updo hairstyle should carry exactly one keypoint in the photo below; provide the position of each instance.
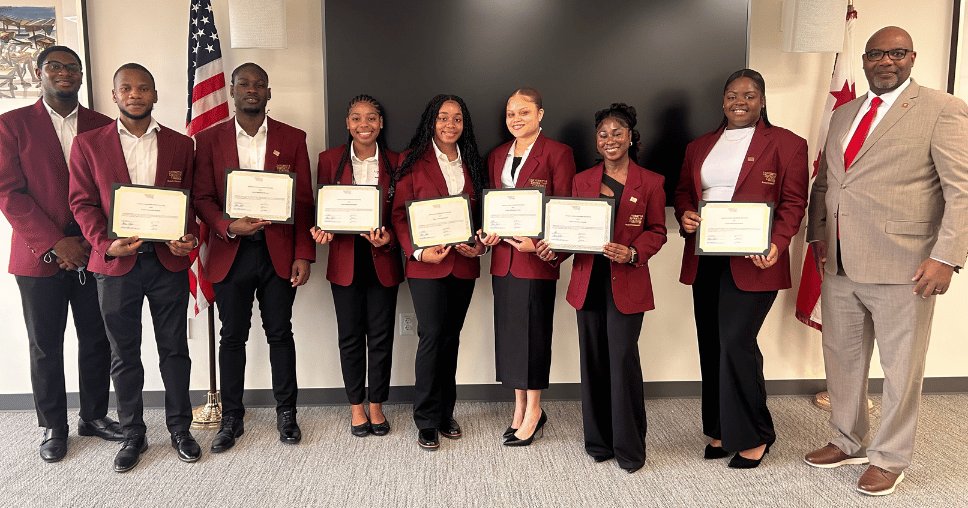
(364, 270)
(441, 160)
(745, 159)
(524, 285)
(612, 290)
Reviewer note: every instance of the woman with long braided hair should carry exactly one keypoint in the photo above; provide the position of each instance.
(441, 160)
(364, 270)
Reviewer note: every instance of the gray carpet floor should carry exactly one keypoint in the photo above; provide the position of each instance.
(332, 468)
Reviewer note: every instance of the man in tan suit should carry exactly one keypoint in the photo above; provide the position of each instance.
(890, 208)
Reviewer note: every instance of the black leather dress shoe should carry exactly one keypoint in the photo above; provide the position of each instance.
(225, 438)
(104, 428)
(361, 430)
(54, 445)
(289, 432)
(187, 447)
(428, 439)
(450, 429)
(130, 453)
(380, 429)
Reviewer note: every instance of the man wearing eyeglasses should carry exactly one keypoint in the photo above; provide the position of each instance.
(48, 255)
(888, 219)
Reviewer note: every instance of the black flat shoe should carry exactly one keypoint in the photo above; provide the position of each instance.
(130, 453)
(450, 429)
(289, 431)
(715, 452)
(602, 458)
(632, 469)
(54, 446)
(380, 429)
(104, 428)
(186, 446)
(509, 432)
(231, 429)
(428, 439)
(361, 430)
(740, 462)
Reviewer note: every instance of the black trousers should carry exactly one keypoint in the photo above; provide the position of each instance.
(364, 322)
(728, 320)
(524, 311)
(441, 306)
(252, 276)
(612, 400)
(45, 301)
(122, 298)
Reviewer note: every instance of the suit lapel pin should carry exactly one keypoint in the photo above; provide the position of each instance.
(904, 105)
(750, 159)
(275, 152)
(633, 199)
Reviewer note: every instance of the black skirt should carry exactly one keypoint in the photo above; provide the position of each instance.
(523, 320)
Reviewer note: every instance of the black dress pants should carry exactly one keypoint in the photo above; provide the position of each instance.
(122, 298)
(612, 400)
(45, 301)
(441, 306)
(728, 320)
(253, 276)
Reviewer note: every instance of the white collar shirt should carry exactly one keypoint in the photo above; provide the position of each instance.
(507, 181)
(140, 154)
(65, 127)
(453, 171)
(366, 171)
(252, 149)
(889, 98)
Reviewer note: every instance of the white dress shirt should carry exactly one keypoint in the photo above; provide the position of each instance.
(507, 181)
(453, 171)
(720, 170)
(65, 127)
(252, 149)
(366, 171)
(889, 98)
(140, 154)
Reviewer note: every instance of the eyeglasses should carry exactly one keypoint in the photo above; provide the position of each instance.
(57, 67)
(875, 55)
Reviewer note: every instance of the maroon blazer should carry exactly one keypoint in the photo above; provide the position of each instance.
(426, 181)
(639, 223)
(550, 165)
(775, 170)
(216, 151)
(34, 184)
(386, 259)
(96, 162)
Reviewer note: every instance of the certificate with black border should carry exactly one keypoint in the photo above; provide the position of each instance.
(266, 195)
(349, 208)
(153, 214)
(439, 221)
(734, 228)
(579, 225)
(514, 212)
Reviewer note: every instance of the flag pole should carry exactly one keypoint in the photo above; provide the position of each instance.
(210, 415)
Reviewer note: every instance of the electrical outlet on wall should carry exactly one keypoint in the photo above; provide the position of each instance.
(408, 324)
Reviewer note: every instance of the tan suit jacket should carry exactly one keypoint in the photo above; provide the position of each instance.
(905, 198)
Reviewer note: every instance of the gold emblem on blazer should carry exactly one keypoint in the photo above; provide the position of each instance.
(283, 167)
(635, 220)
(534, 182)
(769, 178)
(174, 176)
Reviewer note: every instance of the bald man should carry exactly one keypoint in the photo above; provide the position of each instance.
(888, 220)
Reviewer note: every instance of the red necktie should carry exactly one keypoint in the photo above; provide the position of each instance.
(857, 140)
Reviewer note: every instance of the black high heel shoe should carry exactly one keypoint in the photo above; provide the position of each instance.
(509, 432)
(514, 441)
(715, 452)
(740, 462)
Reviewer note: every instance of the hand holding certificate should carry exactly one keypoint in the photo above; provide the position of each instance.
(732, 228)
(264, 194)
(150, 213)
(439, 221)
(514, 212)
(581, 225)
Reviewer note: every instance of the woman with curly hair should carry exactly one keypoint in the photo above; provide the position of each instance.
(612, 290)
(441, 160)
(364, 270)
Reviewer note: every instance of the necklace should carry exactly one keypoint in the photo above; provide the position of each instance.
(749, 130)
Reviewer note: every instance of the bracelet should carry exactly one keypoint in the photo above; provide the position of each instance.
(633, 255)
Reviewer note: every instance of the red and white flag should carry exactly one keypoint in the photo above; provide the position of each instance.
(207, 106)
(842, 90)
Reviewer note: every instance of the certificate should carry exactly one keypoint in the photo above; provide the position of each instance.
(582, 225)
(731, 228)
(266, 195)
(439, 221)
(349, 208)
(514, 212)
(154, 214)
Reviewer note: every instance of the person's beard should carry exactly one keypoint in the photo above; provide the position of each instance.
(146, 114)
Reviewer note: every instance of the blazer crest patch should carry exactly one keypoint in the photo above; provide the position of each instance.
(535, 182)
(769, 178)
(175, 176)
(283, 167)
(635, 220)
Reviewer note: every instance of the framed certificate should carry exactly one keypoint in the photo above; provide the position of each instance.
(349, 208)
(581, 225)
(266, 195)
(440, 221)
(514, 212)
(730, 228)
(153, 214)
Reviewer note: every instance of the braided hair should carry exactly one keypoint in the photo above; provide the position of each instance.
(625, 115)
(380, 139)
(760, 85)
(423, 137)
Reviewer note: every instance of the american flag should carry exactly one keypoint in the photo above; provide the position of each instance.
(207, 106)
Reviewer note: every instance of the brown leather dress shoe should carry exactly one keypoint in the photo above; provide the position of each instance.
(878, 482)
(831, 456)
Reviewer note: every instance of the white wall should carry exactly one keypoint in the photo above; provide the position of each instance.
(796, 87)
